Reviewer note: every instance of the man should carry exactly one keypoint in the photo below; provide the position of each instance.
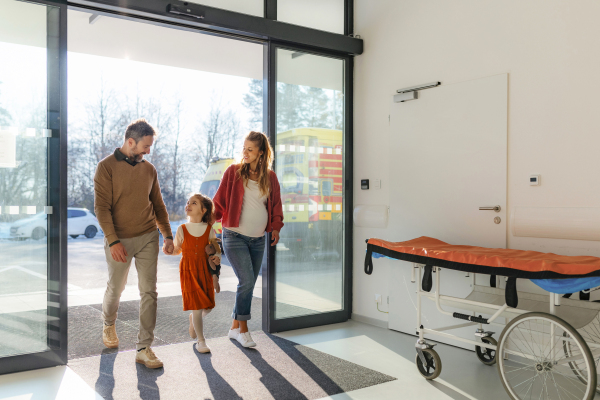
(129, 206)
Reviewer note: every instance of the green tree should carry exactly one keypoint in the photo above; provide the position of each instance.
(290, 107)
(316, 109)
(253, 101)
(338, 110)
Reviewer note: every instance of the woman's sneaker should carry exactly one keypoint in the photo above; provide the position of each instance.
(233, 333)
(201, 347)
(147, 357)
(245, 339)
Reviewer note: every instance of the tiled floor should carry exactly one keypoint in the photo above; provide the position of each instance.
(463, 376)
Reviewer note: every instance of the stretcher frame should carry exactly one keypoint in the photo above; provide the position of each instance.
(590, 351)
(484, 308)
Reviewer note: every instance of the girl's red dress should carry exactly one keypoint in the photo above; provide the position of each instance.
(197, 287)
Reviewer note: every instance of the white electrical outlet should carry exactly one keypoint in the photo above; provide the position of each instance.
(378, 298)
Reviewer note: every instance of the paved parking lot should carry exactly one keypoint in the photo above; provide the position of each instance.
(313, 284)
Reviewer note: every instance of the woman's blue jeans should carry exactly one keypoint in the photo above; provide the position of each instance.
(245, 255)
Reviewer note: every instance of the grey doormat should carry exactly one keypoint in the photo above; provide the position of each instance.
(85, 324)
(275, 369)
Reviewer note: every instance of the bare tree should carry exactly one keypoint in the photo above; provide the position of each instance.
(26, 184)
(219, 133)
(5, 117)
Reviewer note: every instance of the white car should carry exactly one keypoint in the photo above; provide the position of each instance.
(79, 222)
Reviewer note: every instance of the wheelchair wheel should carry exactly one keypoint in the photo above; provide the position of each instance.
(433, 368)
(591, 334)
(485, 355)
(533, 364)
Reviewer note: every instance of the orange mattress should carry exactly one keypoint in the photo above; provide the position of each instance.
(504, 262)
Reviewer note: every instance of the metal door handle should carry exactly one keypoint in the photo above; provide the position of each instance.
(491, 208)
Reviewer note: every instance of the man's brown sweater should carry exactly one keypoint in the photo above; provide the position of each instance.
(127, 199)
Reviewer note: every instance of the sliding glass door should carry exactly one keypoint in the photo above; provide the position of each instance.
(32, 282)
(309, 270)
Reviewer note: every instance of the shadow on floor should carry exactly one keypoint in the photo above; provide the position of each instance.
(220, 389)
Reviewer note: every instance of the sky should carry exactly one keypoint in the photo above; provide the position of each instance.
(23, 84)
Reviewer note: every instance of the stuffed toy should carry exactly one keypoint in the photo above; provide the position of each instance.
(211, 249)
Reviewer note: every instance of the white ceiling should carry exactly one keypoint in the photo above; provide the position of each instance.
(144, 42)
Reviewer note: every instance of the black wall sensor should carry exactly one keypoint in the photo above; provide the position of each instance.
(364, 184)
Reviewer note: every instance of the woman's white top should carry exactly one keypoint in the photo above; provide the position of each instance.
(254, 217)
(196, 229)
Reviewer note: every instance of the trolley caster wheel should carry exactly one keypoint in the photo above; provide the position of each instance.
(433, 369)
(485, 355)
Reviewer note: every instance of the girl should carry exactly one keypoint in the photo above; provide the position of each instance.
(197, 287)
(249, 203)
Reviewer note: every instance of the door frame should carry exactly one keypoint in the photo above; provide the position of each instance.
(230, 23)
(267, 30)
(269, 323)
(57, 321)
(273, 34)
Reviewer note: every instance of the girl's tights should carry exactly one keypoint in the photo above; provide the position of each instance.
(197, 322)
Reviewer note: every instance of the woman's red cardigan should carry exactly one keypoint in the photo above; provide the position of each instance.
(230, 196)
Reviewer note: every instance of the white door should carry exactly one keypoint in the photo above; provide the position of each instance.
(449, 157)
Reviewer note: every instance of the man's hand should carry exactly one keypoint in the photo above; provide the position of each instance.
(118, 252)
(168, 247)
(274, 238)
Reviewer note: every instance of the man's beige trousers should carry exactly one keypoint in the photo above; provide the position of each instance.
(145, 251)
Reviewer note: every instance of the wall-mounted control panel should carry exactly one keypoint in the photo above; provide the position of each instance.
(364, 184)
(535, 180)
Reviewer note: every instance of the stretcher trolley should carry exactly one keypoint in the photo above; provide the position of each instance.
(549, 347)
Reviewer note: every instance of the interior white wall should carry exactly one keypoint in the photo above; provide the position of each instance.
(22, 23)
(550, 51)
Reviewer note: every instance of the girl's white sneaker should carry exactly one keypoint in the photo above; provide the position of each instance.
(245, 339)
(233, 333)
(201, 347)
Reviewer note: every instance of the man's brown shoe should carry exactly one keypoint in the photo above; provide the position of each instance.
(148, 358)
(109, 336)
(191, 329)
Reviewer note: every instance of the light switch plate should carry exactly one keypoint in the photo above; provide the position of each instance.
(377, 184)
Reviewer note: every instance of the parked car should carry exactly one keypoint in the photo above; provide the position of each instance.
(80, 221)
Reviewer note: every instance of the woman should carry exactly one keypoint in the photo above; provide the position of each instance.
(249, 203)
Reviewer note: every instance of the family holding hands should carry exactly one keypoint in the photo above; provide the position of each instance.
(129, 207)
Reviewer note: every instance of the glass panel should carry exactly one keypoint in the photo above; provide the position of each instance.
(23, 178)
(326, 15)
(309, 149)
(252, 7)
(210, 100)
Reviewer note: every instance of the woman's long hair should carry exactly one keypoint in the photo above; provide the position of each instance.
(265, 161)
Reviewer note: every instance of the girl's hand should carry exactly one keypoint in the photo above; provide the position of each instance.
(168, 247)
(274, 238)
